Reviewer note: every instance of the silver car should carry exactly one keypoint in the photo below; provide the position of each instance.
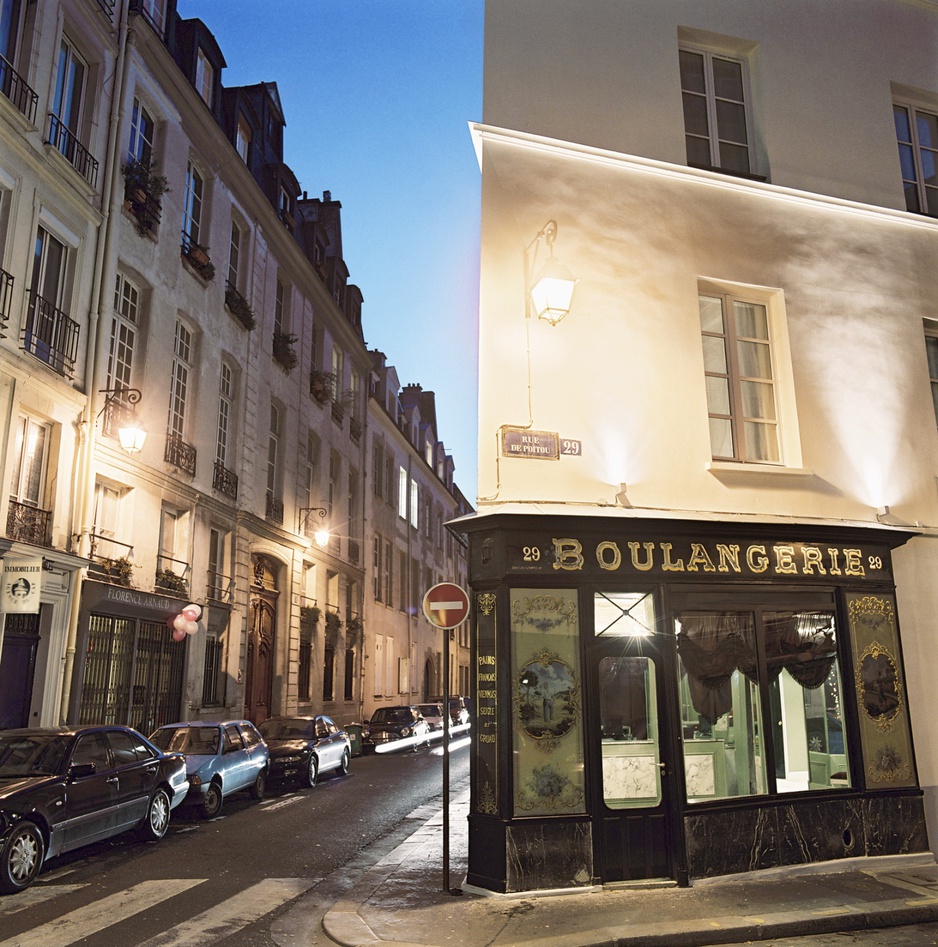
(221, 758)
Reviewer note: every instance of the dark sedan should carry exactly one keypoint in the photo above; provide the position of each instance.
(395, 727)
(62, 788)
(303, 747)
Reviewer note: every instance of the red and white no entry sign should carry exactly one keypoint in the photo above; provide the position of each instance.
(446, 605)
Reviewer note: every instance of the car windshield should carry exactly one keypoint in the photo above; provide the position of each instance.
(431, 710)
(36, 754)
(392, 715)
(199, 741)
(292, 729)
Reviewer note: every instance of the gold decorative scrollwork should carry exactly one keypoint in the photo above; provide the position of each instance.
(551, 790)
(879, 686)
(873, 610)
(487, 803)
(486, 602)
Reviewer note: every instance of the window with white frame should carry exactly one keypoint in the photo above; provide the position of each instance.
(243, 135)
(931, 351)
(30, 447)
(312, 468)
(402, 493)
(142, 128)
(389, 477)
(355, 388)
(69, 96)
(204, 77)
(376, 548)
(281, 320)
(335, 467)
(179, 381)
(234, 257)
(387, 579)
(124, 328)
(917, 136)
(741, 397)
(219, 558)
(155, 12)
(107, 508)
(414, 505)
(273, 451)
(223, 426)
(716, 120)
(338, 372)
(192, 205)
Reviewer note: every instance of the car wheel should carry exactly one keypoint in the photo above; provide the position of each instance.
(156, 822)
(211, 801)
(343, 766)
(21, 858)
(258, 786)
(312, 770)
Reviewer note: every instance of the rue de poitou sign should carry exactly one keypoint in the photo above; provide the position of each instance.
(699, 559)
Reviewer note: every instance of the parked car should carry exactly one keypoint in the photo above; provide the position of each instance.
(302, 748)
(221, 758)
(458, 713)
(65, 787)
(393, 724)
(433, 714)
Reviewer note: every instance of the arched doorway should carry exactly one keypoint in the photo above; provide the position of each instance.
(261, 653)
(429, 680)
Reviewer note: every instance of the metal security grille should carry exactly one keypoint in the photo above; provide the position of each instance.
(133, 673)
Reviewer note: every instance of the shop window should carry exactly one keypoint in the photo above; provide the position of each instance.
(726, 691)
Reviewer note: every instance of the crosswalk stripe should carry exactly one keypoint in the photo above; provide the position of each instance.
(33, 896)
(95, 917)
(230, 916)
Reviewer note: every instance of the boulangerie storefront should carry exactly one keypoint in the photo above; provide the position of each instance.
(663, 699)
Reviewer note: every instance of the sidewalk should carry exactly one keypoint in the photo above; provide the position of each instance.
(400, 902)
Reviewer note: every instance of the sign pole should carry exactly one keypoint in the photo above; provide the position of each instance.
(446, 606)
(447, 719)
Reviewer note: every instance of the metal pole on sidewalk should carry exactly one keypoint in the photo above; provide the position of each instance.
(446, 725)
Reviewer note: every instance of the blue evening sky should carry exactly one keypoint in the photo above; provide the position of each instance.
(377, 97)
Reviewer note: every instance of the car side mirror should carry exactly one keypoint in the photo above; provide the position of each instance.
(81, 770)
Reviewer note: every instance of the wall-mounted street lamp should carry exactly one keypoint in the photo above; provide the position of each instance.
(119, 412)
(321, 535)
(550, 294)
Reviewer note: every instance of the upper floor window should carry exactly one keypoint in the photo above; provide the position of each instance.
(155, 12)
(204, 78)
(716, 124)
(29, 461)
(234, 257)
(49, 334)
(740, 384)
(192, 204)
(338, 372)
(273, 451)
(243, 139)
(124, 329)
(414, 505)
(179, 381)
(69, 87)
(402, 493)
(223, 427)
(931, 350)
(917, 135)
(141, 134)
(280, 309)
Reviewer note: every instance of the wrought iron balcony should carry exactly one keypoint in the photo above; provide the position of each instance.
(180, 454)
(108, 7)
(50, 335)
(355, 429)
(63, 139)
(171, 576)
(239, 307)
(28, 524)
(218, 587)
(274, 508)
(338, 412)
(6, 297)
(225, 480)
(14, 87)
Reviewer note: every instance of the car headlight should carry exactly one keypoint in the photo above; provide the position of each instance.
(405, 732)
(290, 759)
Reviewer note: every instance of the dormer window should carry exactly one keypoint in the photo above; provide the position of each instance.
(243, 139)
(204, 78)
(284, 204)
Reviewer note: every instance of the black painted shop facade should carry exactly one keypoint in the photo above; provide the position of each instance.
(664, 699)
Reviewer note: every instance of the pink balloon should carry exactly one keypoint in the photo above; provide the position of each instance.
(169, 622)
(191, 627)
(179, 635)
(180, 622)
(192, 612)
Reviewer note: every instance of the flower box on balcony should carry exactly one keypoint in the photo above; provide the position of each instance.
(143, 193)
(240, 308)
(284, 352)
(321, 385)
(197, 257)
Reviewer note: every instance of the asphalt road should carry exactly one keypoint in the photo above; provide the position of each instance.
(260, 875)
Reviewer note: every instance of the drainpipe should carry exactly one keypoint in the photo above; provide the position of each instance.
(84, 481)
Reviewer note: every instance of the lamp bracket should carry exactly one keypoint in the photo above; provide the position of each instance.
(305, 513)
(125, 397)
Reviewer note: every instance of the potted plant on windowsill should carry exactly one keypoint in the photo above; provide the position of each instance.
(119, 571)
(240, 308)
(168, 581)
(310, 613)
(320, 385)
(143, 193)
(284, 352)
(197, 257)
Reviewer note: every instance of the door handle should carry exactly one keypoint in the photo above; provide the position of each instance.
(664, 768)
(112, 779)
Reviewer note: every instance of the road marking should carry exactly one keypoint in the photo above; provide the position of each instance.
(232, 914)
(283, 802)
(95, 917)
(33, 896)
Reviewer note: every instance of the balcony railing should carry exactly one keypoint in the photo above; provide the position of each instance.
(274, 508)
(225, 480)
(28, 524)
(6, 298)
(50, 335)
(171, 576)
(63, 139)
(108, 7)
(180, 454)
(111, 560)
(218, 587)
(338, 412)
(355, 429)
(14, 87)
(239, 307)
